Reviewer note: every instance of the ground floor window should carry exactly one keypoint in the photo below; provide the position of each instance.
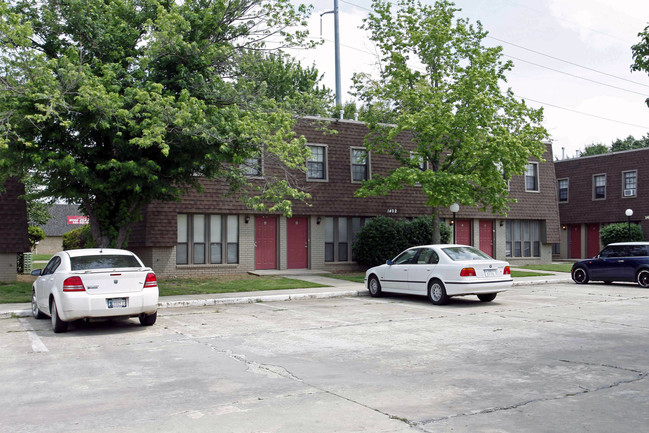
(207, 239)
(340, 234)
(523, 238)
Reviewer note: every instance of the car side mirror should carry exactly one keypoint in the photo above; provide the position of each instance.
(389, 262)
(36, 272)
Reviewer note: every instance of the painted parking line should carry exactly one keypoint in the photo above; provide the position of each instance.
(37, 344)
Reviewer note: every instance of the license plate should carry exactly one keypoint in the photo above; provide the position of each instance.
(116, 303)
(489, 272)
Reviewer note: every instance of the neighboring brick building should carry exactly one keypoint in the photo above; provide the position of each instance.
(596, 190)
(13, 228)
(209, 233)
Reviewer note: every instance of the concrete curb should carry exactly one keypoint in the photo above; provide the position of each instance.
(260, 298)
(542, 281)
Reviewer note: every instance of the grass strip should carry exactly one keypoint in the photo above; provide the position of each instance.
(19, 291)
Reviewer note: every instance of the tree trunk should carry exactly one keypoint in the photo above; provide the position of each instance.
(437, 238)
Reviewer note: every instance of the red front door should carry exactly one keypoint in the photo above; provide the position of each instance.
(463, 234)
(593, 239)
(265, 242)
(297, 245)
(575, 241)
(487, 237)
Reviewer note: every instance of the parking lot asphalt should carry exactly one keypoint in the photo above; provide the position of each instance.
(549, 357)
(336, 288)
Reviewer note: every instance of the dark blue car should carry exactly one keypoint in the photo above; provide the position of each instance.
(624, 261)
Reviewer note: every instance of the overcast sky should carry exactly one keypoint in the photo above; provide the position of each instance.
(594, 34)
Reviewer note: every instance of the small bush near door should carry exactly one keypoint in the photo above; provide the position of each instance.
(383, 238)
(620, 233)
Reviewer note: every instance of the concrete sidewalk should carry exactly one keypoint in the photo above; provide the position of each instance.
(336, 289)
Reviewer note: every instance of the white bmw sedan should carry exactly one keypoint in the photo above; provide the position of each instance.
(94, 283)
(439, 272)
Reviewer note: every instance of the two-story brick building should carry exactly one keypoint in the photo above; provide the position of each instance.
(596, 190)
(13, 228)
(211, 233)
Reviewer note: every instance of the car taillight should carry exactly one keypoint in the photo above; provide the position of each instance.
(507, 271)
(467, 272)
(151, 280)
(73, 284)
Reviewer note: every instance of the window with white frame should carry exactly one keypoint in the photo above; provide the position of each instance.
(252, 167)
(360, 164)
(562, 190)
(522, 238)
(599, 186)
(629, 183)
(207, 239)
(340, 234)
(316, 164)
(418, 160)
(532, 176)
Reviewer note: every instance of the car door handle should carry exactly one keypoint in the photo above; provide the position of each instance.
(620, 261)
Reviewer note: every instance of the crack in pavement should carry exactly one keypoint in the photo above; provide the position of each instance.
(640, 375)
(277, 370)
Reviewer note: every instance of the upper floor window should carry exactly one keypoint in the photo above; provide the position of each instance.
(316, 164)
(251, 167)
(562, 190)
(418, 160)
(599, 186)
(360, 164)
(629, 183)
(532, 177)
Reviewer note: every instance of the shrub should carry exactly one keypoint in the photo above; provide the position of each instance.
(619, 232)
(383, 238)
(35, 234)
(380, 239)
(78, 238)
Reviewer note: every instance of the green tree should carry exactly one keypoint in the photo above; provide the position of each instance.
(118, 103)
(441, 85)
(35, 235)
(630, 143)
(640, 53)
(37, 208)
(595, 149)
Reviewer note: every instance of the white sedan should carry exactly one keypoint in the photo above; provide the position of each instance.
(94, 283)
(439, 272)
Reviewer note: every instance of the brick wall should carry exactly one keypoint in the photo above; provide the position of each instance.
(13, 218)
(7, 267)
(336, 197)
(581, 208)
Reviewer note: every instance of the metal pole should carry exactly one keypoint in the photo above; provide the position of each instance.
(629, 224)
(454, 229)
(339, 102)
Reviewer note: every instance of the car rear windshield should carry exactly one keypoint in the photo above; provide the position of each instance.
(84, 263)
(465, 253)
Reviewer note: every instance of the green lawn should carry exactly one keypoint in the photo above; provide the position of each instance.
(516, 274)
(558, 267)
(22, 291)
(229, 285)
(11, 293)
(41, 257)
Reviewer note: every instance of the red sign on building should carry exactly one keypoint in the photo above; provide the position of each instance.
(78, 220)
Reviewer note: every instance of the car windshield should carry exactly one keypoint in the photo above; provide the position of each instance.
(465, 253)
(84, 263)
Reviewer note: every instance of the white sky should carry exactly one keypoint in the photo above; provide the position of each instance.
(596, 34)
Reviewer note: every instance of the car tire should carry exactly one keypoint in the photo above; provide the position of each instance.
(487, 297)
(148, 319)
(58, 325)
(374, 286)
(580, 276)
(643, 278)
(437, 293)
(36, 312)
